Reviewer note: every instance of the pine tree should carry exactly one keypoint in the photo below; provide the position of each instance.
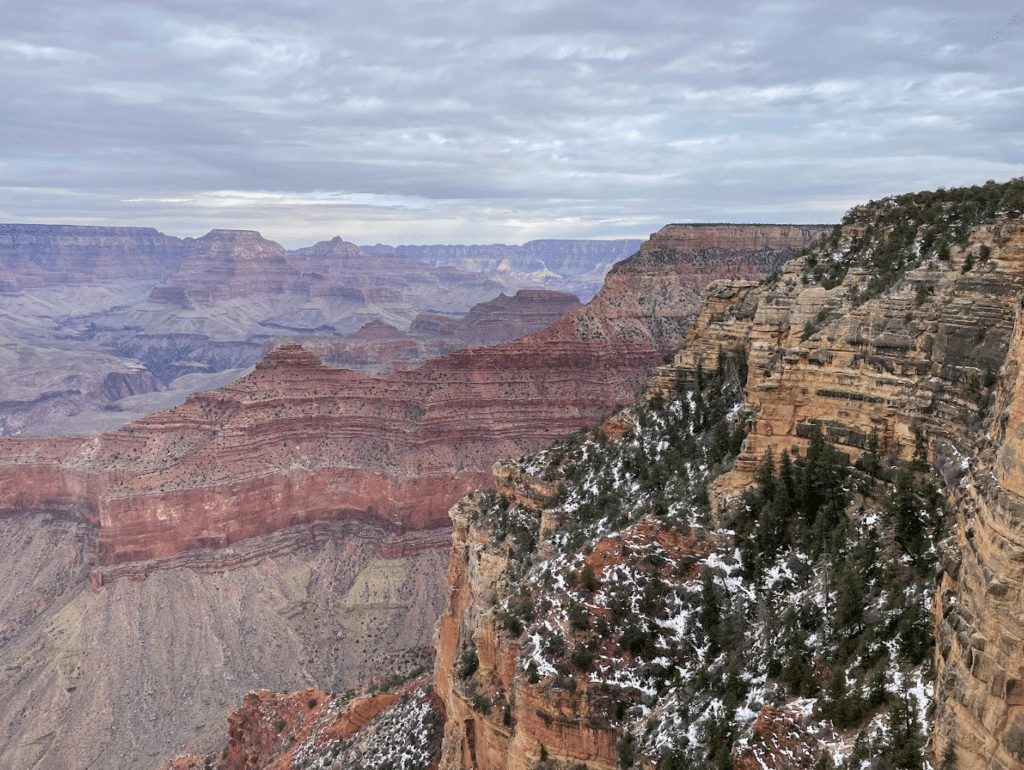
(710, 613)
(904, 510)
(765, 477)
(902, 747)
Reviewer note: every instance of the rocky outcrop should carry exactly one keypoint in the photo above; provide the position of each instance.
(278, 731)
(234, 263)
(694, 238)
(297, 442)
(522, 723)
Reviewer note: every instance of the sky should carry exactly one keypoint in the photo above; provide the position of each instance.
(489, 121)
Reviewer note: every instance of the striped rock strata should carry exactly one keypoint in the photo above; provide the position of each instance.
(937, 355)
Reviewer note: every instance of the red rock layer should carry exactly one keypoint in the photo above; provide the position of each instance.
(298, 442)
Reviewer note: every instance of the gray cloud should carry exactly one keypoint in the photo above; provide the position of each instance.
(423, 121)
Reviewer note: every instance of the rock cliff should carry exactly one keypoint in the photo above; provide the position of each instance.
(889, 347)
(931, 362)
(42, 255)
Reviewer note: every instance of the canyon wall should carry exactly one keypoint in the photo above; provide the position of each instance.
(44, 255)
(153, 663)
(923, 368)
(696, 237)
(523, 722)
(936, 358)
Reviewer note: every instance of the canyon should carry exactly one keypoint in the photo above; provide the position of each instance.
(295, 521)
(605, 607)
(96, 305)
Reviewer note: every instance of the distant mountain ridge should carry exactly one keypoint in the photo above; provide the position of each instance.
(577, 266)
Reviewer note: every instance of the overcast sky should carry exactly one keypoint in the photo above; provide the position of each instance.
(497, 121)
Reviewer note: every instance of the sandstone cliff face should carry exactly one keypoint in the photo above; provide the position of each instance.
(921, 360)
(695, 237)
(522, 722)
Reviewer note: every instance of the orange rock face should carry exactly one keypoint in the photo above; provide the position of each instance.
(936, 355)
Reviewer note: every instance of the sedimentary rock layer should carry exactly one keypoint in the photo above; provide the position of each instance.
(936, 356)
(123, 677)
(40, 255)
(752, 238)
(298, 442)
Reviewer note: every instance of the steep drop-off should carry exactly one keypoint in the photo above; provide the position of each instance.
(784, 615)
(932, 362)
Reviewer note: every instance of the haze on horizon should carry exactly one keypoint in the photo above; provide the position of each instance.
(430, 122)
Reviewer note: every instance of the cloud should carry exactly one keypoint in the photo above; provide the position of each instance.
(417, 120)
